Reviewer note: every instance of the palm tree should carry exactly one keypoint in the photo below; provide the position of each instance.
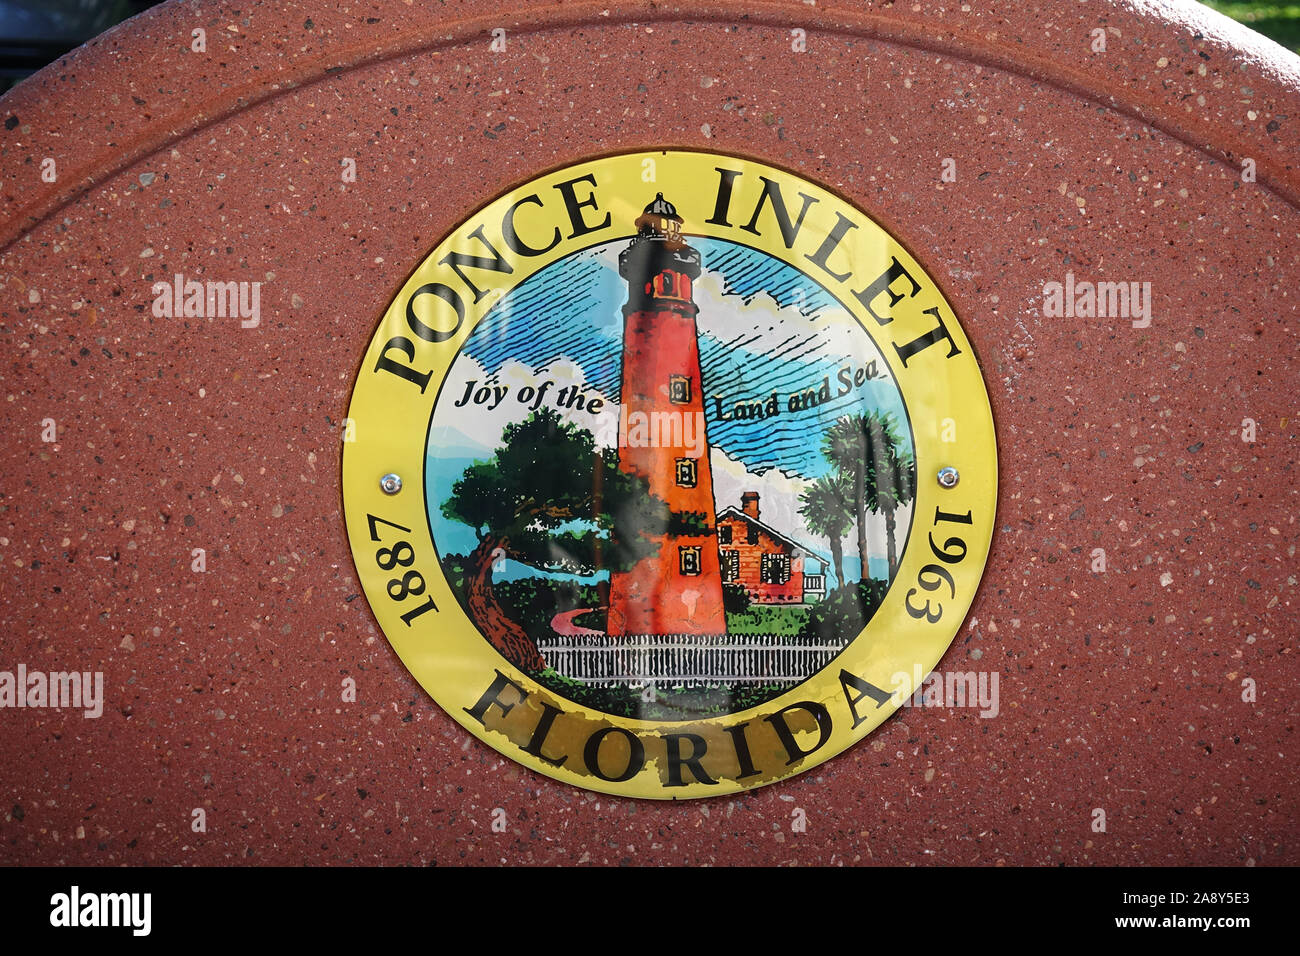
(843, 447)
(892, 487)
(828, 509)
(868, 453)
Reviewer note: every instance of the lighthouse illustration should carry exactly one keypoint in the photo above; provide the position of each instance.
(678, 589)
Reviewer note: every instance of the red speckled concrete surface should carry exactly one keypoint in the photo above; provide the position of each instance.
(1120, 690)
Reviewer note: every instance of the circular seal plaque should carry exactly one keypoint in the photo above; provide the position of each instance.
(669, 474)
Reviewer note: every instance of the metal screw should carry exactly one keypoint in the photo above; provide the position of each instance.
(948, 477)
(392, 484)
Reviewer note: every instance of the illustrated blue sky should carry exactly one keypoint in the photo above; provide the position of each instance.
(764, 327)
(573, 311)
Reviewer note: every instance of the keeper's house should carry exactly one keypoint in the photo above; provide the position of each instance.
(772, 568)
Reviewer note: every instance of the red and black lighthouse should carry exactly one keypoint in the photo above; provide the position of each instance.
(677, 590)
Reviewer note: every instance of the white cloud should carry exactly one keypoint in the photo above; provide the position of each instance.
(477, 428)
(724, 316)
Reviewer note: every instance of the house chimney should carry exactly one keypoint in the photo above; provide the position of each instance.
(749, 504)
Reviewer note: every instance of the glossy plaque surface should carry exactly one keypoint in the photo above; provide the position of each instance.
(669, 474)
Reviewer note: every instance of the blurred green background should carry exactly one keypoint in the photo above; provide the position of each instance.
(1278, 21)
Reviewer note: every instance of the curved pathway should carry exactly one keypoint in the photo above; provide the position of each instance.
(563, 625)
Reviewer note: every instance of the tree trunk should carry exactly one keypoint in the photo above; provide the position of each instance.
(502, 633)
(837, 558)
(889, 541)
(860, 505)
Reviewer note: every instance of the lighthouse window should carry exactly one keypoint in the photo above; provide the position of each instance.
(730, 566)
(687, 471)
(689, 559)
(679, 389)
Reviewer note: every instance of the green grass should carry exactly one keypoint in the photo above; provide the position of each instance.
(1279, 22)
(783, 619)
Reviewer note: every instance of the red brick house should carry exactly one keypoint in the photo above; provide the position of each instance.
(765, 562)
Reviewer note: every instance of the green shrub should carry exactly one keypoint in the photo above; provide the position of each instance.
(735, 599)
(845, 612)
(594, 619)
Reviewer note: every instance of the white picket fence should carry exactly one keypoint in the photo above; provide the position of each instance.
(684, 660)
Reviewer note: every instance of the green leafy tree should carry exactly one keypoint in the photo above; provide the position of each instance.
(828, 509)
(868, 452)
(548, 498)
